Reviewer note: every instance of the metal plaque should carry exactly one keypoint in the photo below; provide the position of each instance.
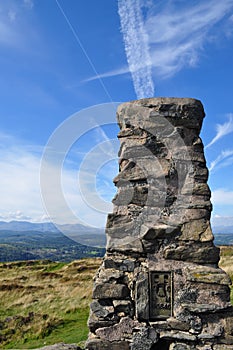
(160, 295)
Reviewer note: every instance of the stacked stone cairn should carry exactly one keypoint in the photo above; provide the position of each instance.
(159, 286)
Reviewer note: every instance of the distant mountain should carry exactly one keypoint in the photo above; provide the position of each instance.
(223, 234)
(85, 235)
(223, 238)
(23, 240)
(71, 228)
(28, 226)
(31, 245)
(222, 224)
(79, 233)
(222, 229)
(47, 227)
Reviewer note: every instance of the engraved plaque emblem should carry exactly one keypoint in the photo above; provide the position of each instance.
(160, 295)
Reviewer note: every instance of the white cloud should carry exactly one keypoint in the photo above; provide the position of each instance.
(220, 220)
(171, 36)
(224, 159)
(222, 130)
(20, 187)
(177, 34)
(15, 215)
(222, 196)
(136, 46)
(19, 181)
(66, 202)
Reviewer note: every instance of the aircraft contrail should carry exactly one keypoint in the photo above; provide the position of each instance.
(136, 46)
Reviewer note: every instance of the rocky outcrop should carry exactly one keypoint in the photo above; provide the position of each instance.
(160, 286)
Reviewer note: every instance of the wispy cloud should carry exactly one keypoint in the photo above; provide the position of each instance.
(136, 46)
(225, 158)
(107, 147)
(177, 34)
(168, 37)
(222, 130)
(112, 73)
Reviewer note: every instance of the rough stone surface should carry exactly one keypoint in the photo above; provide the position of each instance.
(98, 344)
(60, 346)
(144, 339)
(142, 298)
(159, 286)
(110, 291)
(115, 333)
(180, 346)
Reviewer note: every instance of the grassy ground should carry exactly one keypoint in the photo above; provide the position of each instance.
(46, 302)
(226, 263)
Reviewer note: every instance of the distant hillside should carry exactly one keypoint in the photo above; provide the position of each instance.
(32, 245)
(82, 234)
(223, 238)
(91, 239)
(48, 227)
(223, 229)
(28, 226)
(22, 240)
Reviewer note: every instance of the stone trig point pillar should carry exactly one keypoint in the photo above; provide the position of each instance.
(160, 286)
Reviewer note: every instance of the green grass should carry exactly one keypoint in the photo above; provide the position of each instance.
(71, 328)
(45, 302)
(226, 263)
(55, 266)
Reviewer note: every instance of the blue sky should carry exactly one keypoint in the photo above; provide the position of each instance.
(61, 58)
